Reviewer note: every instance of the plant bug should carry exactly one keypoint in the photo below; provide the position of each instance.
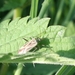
(28, 46)
(33, 43)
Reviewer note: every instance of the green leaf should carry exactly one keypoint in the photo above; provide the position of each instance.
(54, 48)
(12, 33)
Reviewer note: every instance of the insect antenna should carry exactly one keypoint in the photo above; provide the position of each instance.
(25, 39)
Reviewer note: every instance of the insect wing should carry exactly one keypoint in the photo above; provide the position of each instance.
(28, 46)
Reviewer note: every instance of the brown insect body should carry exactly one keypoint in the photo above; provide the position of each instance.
(28, 46)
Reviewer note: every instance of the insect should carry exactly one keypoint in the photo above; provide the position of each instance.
(44, 42)
(28, 46)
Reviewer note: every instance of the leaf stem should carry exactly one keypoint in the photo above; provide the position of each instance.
(44, 8)
(34, 8)
(4, 69)
(17, 13)
(59, 12)
(19, 69)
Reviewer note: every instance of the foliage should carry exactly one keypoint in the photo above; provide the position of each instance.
(56, 36)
